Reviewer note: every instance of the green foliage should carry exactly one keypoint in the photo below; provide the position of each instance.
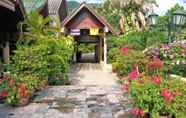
(174, 55)
(147, 96)
(124, 62)
(174, 8)
(42, 51)
(138, 40)
(42, 55)
(87, 48)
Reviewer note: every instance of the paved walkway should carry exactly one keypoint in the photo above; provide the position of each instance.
(95, 94)
(93, 74)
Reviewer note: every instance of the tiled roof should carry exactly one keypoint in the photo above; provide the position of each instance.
(53, 6)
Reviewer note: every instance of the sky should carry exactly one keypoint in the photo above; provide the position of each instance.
(164, 5)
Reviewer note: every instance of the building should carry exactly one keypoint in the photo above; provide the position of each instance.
(11, 13)
(87, 26)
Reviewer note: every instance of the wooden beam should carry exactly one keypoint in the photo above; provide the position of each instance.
(6, 52)
(7, 4)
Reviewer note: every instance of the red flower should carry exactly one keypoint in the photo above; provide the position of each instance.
(22, 90)
(124, 50)
(156, 80)
(174, 93)
(125, 88)
(142, 113)
(169, 99)
(11, 82)
(133, 75)
(4, 93)
(135, 112)
(167, 95)
(155, 63)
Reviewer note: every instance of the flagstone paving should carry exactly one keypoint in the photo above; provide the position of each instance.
(82, 100)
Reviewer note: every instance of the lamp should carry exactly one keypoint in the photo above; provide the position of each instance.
(152, 19)
(178, 18)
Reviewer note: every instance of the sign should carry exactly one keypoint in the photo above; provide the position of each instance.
(94, 31)
(75, 32)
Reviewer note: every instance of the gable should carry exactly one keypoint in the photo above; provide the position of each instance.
(85, 17)
(84, 20)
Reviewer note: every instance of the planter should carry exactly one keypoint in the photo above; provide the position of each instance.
(24, 100)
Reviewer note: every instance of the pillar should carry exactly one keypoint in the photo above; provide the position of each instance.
(105, 50)
(6, 52)
(100, 50)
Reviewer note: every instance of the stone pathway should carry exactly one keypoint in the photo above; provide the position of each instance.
(86, 99)
(93, 74)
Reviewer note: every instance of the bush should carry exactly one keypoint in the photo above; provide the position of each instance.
(42, 56)
(173, 55)
(154, 95)
(124, 62)
(46, 58)
(164, 98)
(138, 40)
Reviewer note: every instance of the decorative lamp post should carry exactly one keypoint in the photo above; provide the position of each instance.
(176, 19)
(179, 18)
(152, 19)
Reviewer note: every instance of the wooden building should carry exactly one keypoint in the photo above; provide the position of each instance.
(87, 26)
(57, 9)
(11, 13)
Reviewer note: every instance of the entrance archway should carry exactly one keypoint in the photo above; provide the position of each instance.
(94, 42)
(87, 27)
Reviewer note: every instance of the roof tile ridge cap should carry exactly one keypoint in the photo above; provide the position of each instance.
(73, 13)
(59, 4)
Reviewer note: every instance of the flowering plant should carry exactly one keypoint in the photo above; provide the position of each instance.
(126, 58)
(153, 95)
(13, 89)
(173, 56)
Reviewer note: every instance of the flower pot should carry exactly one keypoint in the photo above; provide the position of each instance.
(24, 100)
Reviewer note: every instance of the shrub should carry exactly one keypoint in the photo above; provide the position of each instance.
(164, 98)
(138, 40)
(47, 58)
(124, 62)
(42, 56)
(154, 95)
(173, 56)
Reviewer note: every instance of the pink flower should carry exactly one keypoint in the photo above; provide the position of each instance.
(164, 46)
(124, 50)
(125, 88)
(169, 99)
(133, 75)
(156, 80)
(142, 113)
(4, 93)
(155, 63)
(174, 93)
(135, 112)
(167, 95)
(11, 82)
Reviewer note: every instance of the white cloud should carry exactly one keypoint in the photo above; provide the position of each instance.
(164, 5)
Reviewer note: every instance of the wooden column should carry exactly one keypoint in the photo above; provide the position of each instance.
(105, 50)
(6, 52)
(100, 50)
